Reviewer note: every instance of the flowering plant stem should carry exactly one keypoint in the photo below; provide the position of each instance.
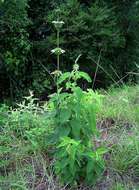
(58, 58)
(58, 51)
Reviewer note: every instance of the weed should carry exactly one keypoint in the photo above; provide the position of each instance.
(76, 158)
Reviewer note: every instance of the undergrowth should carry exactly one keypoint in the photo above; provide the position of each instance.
(24, 159)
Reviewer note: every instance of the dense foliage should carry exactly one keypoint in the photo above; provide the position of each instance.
(104, 32)
(14, 45)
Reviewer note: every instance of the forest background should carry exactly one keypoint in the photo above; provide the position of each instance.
(104, 32)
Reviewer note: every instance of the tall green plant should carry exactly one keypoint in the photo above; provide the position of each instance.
(74, 121)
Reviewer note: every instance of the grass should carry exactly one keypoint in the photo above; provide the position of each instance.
(24, 166)
(119, 118)
(122, 104)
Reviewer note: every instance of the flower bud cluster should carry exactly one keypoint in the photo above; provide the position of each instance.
(58, 51)
(58, 24)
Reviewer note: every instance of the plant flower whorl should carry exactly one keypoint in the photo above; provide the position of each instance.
(58, 24)
(58, 51)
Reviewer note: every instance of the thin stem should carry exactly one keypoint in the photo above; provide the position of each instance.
(97, 67)
(58, 58)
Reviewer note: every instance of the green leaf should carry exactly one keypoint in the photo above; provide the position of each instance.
(85, 76)
(63, 131)
(65, 115)
(73, 159)
(64, 77)
(90, 166)
(79, 93)
(89, 155)
(91, 119)
(101, 151)
(60, 153)
(65, 141)
(76, 127)
(90, 171)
